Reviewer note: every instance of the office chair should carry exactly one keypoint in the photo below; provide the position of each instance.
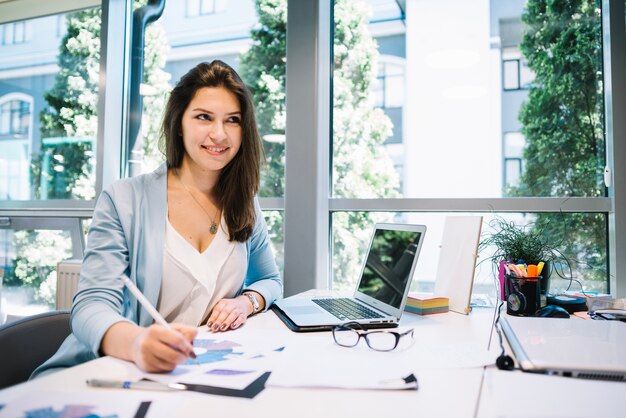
(28, 342)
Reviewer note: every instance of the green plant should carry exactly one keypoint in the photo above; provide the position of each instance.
(528, 243)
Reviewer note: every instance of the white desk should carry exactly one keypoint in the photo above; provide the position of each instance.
(515, 394)
(443, 341)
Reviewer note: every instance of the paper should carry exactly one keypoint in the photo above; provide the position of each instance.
(223, 360)
(232, 378)
(325, 364)
(120, 404)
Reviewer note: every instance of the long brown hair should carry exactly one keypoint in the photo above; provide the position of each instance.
(239, 181)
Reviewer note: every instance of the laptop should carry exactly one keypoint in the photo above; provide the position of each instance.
(568, 347)
(381, 292)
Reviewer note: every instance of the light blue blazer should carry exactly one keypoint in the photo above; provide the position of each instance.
(126, 238)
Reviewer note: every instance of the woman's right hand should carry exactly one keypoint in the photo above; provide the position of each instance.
(153, 349)
(158, 349)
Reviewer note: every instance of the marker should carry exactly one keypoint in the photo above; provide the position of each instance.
(148, 307)
(540, 267)
(127, 384)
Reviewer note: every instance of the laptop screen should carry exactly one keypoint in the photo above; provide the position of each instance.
(388, 265)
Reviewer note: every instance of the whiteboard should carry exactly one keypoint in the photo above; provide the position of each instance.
(457, 261)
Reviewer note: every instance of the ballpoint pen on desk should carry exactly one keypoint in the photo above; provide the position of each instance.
(142, 385)
(408, 382)
(148, 307)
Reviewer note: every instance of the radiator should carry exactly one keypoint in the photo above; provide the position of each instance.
(68, 273)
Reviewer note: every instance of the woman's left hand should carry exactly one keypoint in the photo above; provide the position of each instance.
(229, 314)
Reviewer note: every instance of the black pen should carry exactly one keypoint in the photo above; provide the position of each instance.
(142, 385)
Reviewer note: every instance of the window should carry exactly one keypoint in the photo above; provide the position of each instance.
(389, 87)
(350, 244)
(475, 125)
(15, 118)
(16, 121)
(197, 8)
(53, 107)
(30, 249)
(48, 124)
(15, 33)
(513, 158)
(515, 72)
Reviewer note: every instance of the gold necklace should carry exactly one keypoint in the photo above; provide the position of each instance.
(213, 228)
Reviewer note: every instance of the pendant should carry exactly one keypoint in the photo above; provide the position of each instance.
(213, 228)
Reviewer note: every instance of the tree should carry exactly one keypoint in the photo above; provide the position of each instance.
(361, 166)
(563, 123)
(64, 169)
(71, 117)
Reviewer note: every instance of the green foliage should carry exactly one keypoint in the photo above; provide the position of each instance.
(513, 243)
(35, 266)
(361, 166)
(157, 83)
(263, 69)
(563, 123)
(72, 114)
(64, 167)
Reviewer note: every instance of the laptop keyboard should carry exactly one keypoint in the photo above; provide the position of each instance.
(346, 309)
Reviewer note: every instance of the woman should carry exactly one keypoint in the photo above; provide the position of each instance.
(190, 235)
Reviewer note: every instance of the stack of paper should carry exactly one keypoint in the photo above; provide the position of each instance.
(426, 303)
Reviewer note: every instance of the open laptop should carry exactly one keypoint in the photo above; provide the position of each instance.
(568, 347)
(380, 296)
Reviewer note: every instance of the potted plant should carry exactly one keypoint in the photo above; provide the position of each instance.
(525, 244)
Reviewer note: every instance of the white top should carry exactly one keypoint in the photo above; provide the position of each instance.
(194, 282)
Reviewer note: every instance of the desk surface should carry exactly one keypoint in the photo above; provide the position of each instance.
(446, 358)
(441, 343)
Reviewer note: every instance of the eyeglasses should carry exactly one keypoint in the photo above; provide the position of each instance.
(349, 334)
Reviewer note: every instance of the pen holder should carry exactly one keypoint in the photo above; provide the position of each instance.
(523, 295)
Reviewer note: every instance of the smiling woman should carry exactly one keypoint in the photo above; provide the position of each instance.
(198, 214)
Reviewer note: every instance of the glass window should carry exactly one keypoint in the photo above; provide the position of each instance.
(15, 33)
(48, 100)
(515, 71)
(204, 7)
(15, 118)
(28, 260)
(475, 107)
(513, 163)
(510, 74)
(579, 269)
(454, 96)
(275, 226)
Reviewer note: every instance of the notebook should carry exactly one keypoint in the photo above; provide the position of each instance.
(381, 292)
(568, 347)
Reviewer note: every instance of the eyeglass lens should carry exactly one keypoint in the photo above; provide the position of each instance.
(381, 341)
(376, 340)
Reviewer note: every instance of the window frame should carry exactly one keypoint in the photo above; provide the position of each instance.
(309, 265)
(307, 203)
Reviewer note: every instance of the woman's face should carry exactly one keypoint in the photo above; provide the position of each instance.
(211, 128)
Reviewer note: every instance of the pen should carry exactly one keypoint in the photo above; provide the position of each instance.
(410, 381)
(127, 384)
(148, 307)
(145, 303)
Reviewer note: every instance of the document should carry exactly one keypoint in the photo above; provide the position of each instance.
(331, 366)
(118, 404)
(224, 361)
